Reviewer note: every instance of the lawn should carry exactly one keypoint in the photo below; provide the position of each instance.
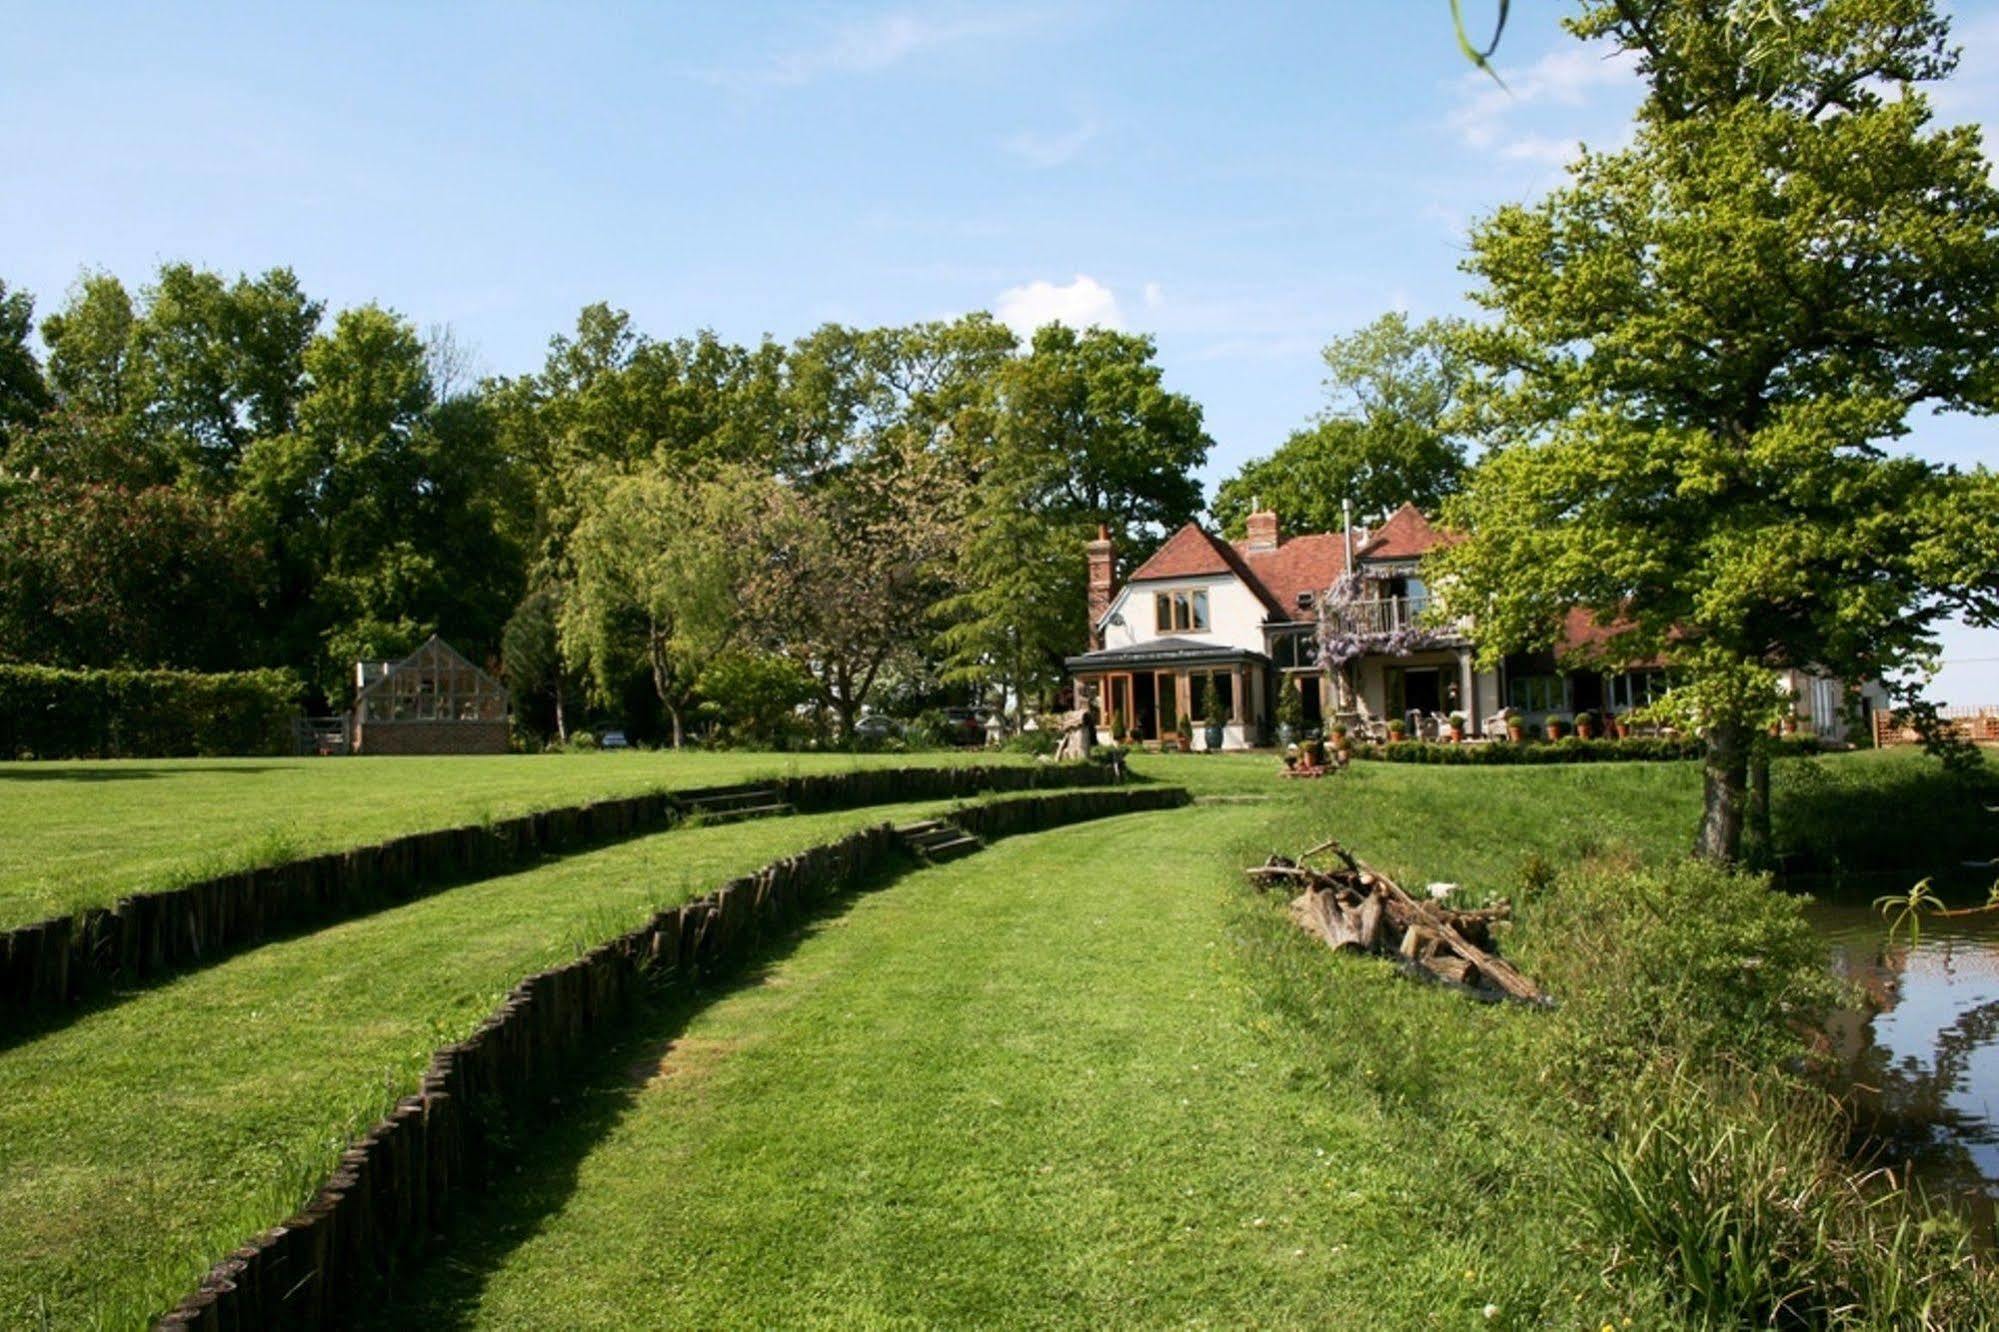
(83, 834)
(146, 1138)
(1068, 1075)
(1035, 1087)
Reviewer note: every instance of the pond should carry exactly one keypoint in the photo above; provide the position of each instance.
(1919, 1054)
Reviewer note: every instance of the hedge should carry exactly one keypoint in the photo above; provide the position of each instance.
(1569, 749)
(50, 713)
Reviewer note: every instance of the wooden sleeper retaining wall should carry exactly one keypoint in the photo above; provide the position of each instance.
(54, 964)
(394, 1187)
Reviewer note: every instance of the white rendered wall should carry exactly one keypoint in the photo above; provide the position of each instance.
(1235, 615)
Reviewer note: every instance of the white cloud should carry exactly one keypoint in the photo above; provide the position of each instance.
(867, 46)
(1050, 150)
(1569, 79)
(1079, 304)
(1155, 296)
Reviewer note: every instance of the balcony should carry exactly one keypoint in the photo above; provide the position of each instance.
(1385, 615)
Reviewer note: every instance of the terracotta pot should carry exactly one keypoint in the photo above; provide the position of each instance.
(1457, 735)
(1585, 731)
(1516, 733)
(1396, 737)
(1554, 730)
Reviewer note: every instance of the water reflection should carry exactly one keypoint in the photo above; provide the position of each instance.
(1920, 1057)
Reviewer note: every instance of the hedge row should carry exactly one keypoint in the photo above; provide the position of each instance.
(1569, 749)
(394, 1187)
(54, 964)
(51, 714)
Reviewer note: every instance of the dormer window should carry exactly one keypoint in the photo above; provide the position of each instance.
(1304, 601)
(1181, 612)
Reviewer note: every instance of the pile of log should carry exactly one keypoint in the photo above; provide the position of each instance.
(1352, 905)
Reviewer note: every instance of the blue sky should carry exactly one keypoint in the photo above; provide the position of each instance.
(1242, 181)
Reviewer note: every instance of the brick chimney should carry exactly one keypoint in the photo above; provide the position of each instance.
(1263, 531)
(1103, 582)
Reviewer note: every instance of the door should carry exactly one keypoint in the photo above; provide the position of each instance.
(1422, 690)
(1144, 715)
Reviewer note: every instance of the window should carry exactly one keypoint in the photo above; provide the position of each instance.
(1177, 612)
(1304, 601)
(1634, 689)
(1536, 693)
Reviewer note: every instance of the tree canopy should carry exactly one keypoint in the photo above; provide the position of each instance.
(1702, 349)
(1383, 439)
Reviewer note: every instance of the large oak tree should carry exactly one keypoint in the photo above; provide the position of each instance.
(1703, 348)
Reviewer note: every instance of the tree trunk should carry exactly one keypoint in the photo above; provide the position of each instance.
(1756, 826)
(1725, 795)
(662, 679)
(561, 726)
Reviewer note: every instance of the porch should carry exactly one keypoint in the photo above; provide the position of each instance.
(1150, 687)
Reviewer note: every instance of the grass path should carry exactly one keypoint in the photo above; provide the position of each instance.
(82, 834)
(147, 1138)
(1037, 1087)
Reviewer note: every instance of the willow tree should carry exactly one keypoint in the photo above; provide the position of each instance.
(1703, 348)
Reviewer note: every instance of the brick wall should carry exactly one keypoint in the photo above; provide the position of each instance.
(430, 737)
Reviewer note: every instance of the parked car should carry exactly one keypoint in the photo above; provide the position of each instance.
(614, 740)
(965, 726)
(875, 726)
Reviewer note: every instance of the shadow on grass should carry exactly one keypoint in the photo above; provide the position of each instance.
(28, 770)
(488, 1226)
(1887, 817)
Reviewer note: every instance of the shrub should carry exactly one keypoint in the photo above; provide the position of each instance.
(51, 713)
(1042, 741)
(1686, 958)
(583, 740)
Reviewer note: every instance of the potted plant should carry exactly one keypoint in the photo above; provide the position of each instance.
(1516, 726)
(1457, 720)
(1217, 721)
(1183, 732)
(1341, 740)
(1614, 726)
(1313, 751)
(1790, 723)
(1585, 725)
(1397, 728)
(1290, 713)
(1554, 728)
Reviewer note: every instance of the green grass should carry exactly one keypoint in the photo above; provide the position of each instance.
(1058, 1082)
(82, 834)
(147, 1138)
(1043, 1086)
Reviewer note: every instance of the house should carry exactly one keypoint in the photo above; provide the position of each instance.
(1207, 626)
(431, 702)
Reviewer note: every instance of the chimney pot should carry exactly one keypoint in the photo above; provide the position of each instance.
(1264, 533)
(1103, 581)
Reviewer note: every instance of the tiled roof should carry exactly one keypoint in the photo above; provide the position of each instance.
(1193, 552)
(1585, 638)
(1300, 564)
(1406, 535)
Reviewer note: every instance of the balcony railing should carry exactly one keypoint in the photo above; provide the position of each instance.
(1384, 616)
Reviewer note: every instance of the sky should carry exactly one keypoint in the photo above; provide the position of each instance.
(1241, 181)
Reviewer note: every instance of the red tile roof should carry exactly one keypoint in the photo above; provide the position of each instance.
(1301, 564)
(1406, 535)
(1585, 638)
(1194, 551)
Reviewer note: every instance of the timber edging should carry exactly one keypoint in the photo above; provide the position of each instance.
(56, 964)
(394, 1187)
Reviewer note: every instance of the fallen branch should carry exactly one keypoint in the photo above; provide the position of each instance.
(1358, 908)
